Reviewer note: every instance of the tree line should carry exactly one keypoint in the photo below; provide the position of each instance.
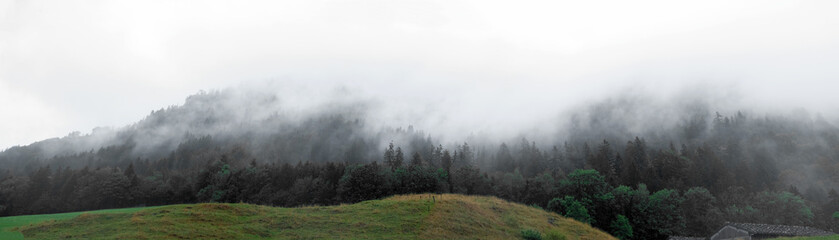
(650, 202)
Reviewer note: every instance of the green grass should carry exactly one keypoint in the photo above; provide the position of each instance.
(419, 216)
(7, 223)
(833, 237)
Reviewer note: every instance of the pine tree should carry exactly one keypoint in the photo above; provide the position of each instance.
(573, 158)
(504, 160)
(398, 159)
(555, 161)
(629, 173)
(129, 172)
(447, 166)
(416, 160)
(617, 166)
(446, 161)
(466, 155)
(390, 157)
(604, 162)
(436, 157)
(589, 158)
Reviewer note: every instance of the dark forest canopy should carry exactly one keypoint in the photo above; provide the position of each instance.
(683, 169)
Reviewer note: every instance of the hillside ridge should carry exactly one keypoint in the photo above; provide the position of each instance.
(415, 216)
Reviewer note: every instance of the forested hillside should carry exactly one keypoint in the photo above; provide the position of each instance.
(634, 170)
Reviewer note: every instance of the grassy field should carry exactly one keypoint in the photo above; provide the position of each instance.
(7, 223)
(834, 237)
(420, 216)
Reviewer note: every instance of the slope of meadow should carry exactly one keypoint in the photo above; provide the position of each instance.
(7, 224)
(424, 216)
(834, 237)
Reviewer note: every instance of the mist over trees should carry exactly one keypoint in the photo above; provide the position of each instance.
(630, 167)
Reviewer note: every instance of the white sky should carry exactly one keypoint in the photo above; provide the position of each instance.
(74, 65)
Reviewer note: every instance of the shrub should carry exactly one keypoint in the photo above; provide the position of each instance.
(530, 234)
(570, 207)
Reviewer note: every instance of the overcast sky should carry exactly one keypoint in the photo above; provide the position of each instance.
(74, 65)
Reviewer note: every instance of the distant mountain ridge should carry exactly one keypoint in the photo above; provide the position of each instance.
(215, 119)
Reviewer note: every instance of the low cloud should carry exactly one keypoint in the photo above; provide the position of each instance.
(457, 67)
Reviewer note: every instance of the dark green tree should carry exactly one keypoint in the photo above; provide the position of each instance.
(570, 207)
(701, 214)
(362, 182)
(620, 227)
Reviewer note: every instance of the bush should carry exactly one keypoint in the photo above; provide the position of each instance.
(531, 234)
(620, 227)
(554, 235)
(571, 208)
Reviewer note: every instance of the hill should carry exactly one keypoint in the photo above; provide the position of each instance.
(424, 216)
(7, 224)
(834, 237)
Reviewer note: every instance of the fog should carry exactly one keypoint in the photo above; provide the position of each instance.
(455, 67)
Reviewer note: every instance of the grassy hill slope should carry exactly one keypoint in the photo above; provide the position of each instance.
(834, 237)
(424, 216)
(8, 223)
